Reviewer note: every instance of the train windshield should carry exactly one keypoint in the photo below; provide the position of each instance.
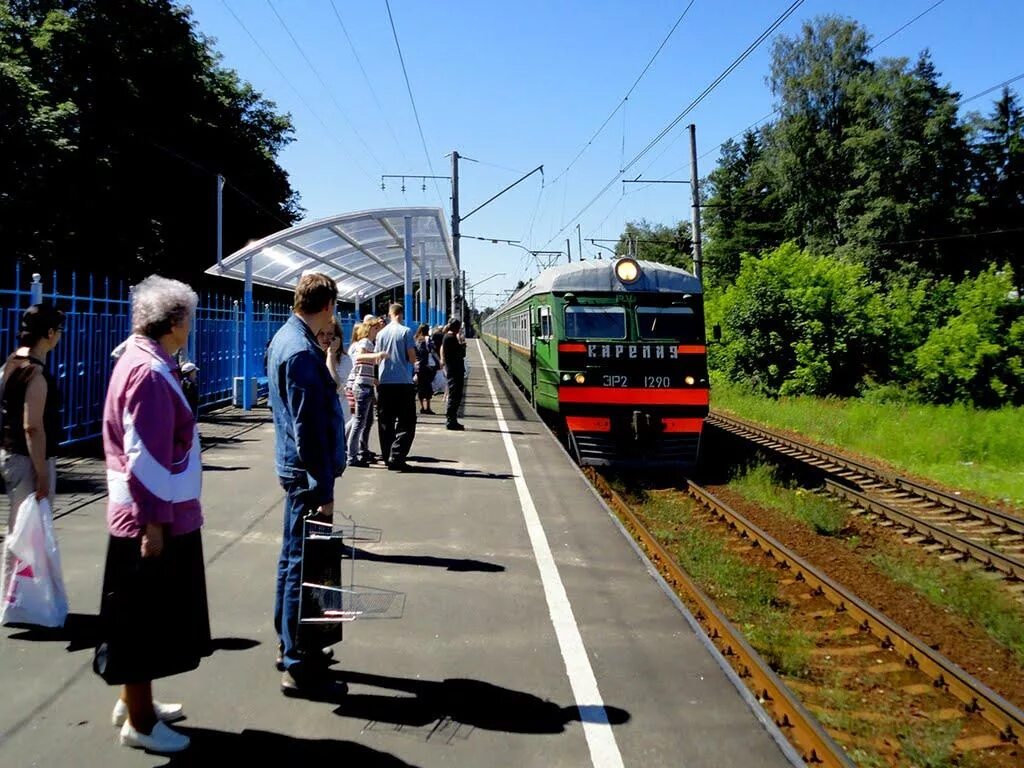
(603, 322)
(678, 323)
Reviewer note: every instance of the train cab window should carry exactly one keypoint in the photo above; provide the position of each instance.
(667, 323)
(604, 322)
(544, 321)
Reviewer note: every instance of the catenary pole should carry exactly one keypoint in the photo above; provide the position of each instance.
(698, 261)
(455, 232)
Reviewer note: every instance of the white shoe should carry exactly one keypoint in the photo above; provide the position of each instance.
(162, 740)
(167, 713)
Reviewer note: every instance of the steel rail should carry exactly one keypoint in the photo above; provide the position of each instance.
(800, 726)
(1009, 566)
(975, 695)
(988, 514)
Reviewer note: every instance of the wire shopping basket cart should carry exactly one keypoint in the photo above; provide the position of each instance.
(330, 595)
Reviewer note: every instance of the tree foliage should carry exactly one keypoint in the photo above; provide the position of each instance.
(121, 117)
(869, 238)
(796, 323)
(657, 242)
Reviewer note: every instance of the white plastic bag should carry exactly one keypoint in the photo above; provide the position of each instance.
(33, 589)
(439, 383)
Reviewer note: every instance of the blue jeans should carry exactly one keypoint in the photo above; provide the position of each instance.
(297, 506)
(362, 420)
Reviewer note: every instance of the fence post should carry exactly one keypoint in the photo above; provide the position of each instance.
(236, 351)
(36, 291)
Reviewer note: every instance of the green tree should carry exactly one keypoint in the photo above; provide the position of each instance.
(796, 323)
(977, 356)
(998, 176)
(149, 117)
(908, 186)
(811, 77)
(742, 212)
(657, 242)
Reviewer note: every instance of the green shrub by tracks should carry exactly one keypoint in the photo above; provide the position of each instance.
(762, 485)
(953, 445)
(961, 592)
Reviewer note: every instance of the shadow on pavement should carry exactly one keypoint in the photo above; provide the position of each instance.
(460, 565)
(452, 472)
(253, 748)
(470, 702)
(82, 631)
(430, 460)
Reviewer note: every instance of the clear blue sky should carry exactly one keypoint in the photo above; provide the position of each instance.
(517, 84)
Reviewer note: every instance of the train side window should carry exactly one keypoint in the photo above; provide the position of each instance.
(544, 321)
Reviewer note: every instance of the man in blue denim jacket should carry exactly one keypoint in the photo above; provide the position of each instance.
(309, 453)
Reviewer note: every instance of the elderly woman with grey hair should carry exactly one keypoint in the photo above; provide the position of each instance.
(153, 613)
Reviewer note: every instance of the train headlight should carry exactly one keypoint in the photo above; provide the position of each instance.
(689, 381)
(581, 378)
(627, 270)
(566, 377)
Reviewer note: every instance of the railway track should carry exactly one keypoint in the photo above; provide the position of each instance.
(950, 526)
(859, 640)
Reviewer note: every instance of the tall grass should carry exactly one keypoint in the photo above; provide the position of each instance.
(958, 446)
(762, 484)
(964, 593)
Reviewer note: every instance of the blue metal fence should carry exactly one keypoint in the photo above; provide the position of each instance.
(98, 318)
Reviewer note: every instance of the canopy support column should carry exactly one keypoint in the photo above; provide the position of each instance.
(247, 340)
(407, 300)
(423, 283)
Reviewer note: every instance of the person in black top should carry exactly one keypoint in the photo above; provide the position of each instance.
(453, 356)
(30, 404)
(425, 368)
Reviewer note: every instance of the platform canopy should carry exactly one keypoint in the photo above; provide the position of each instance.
(364, 252)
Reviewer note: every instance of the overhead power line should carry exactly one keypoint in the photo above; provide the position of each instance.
(872, 49)
(330, 132)
(993, 88)
(716, 82)
(703, 95)
(412, 100)
(625, 98)
(316, 74)
(369, 83)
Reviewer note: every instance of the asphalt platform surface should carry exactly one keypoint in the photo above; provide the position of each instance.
(533, 633)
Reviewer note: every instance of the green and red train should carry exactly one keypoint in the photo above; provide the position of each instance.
(614, 352)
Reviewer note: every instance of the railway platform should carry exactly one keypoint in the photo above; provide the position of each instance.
(533, 632)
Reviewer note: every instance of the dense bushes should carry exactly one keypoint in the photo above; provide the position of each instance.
(797, 323)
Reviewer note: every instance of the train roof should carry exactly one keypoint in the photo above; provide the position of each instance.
(599, 277)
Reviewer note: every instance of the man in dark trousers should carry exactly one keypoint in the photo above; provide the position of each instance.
(308, 455)
(453, 358)
(396, 394)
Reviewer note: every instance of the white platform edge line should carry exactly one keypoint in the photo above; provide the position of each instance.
(762, 716)
(604, 749)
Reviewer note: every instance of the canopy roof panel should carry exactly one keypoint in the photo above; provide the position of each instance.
(364, 252)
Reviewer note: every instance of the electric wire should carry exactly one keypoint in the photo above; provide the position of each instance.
(993, 88)
(703, 95)
(626, 97)
(297, 92)
(412, 100)
(369, 83)
(327, 89)
(774, 112)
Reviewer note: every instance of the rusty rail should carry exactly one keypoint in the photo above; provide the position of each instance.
(801, 727)
(944, 674)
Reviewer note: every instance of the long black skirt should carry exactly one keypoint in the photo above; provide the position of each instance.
(153, 614)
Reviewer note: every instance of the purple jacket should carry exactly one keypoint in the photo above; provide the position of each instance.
(151, 442)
